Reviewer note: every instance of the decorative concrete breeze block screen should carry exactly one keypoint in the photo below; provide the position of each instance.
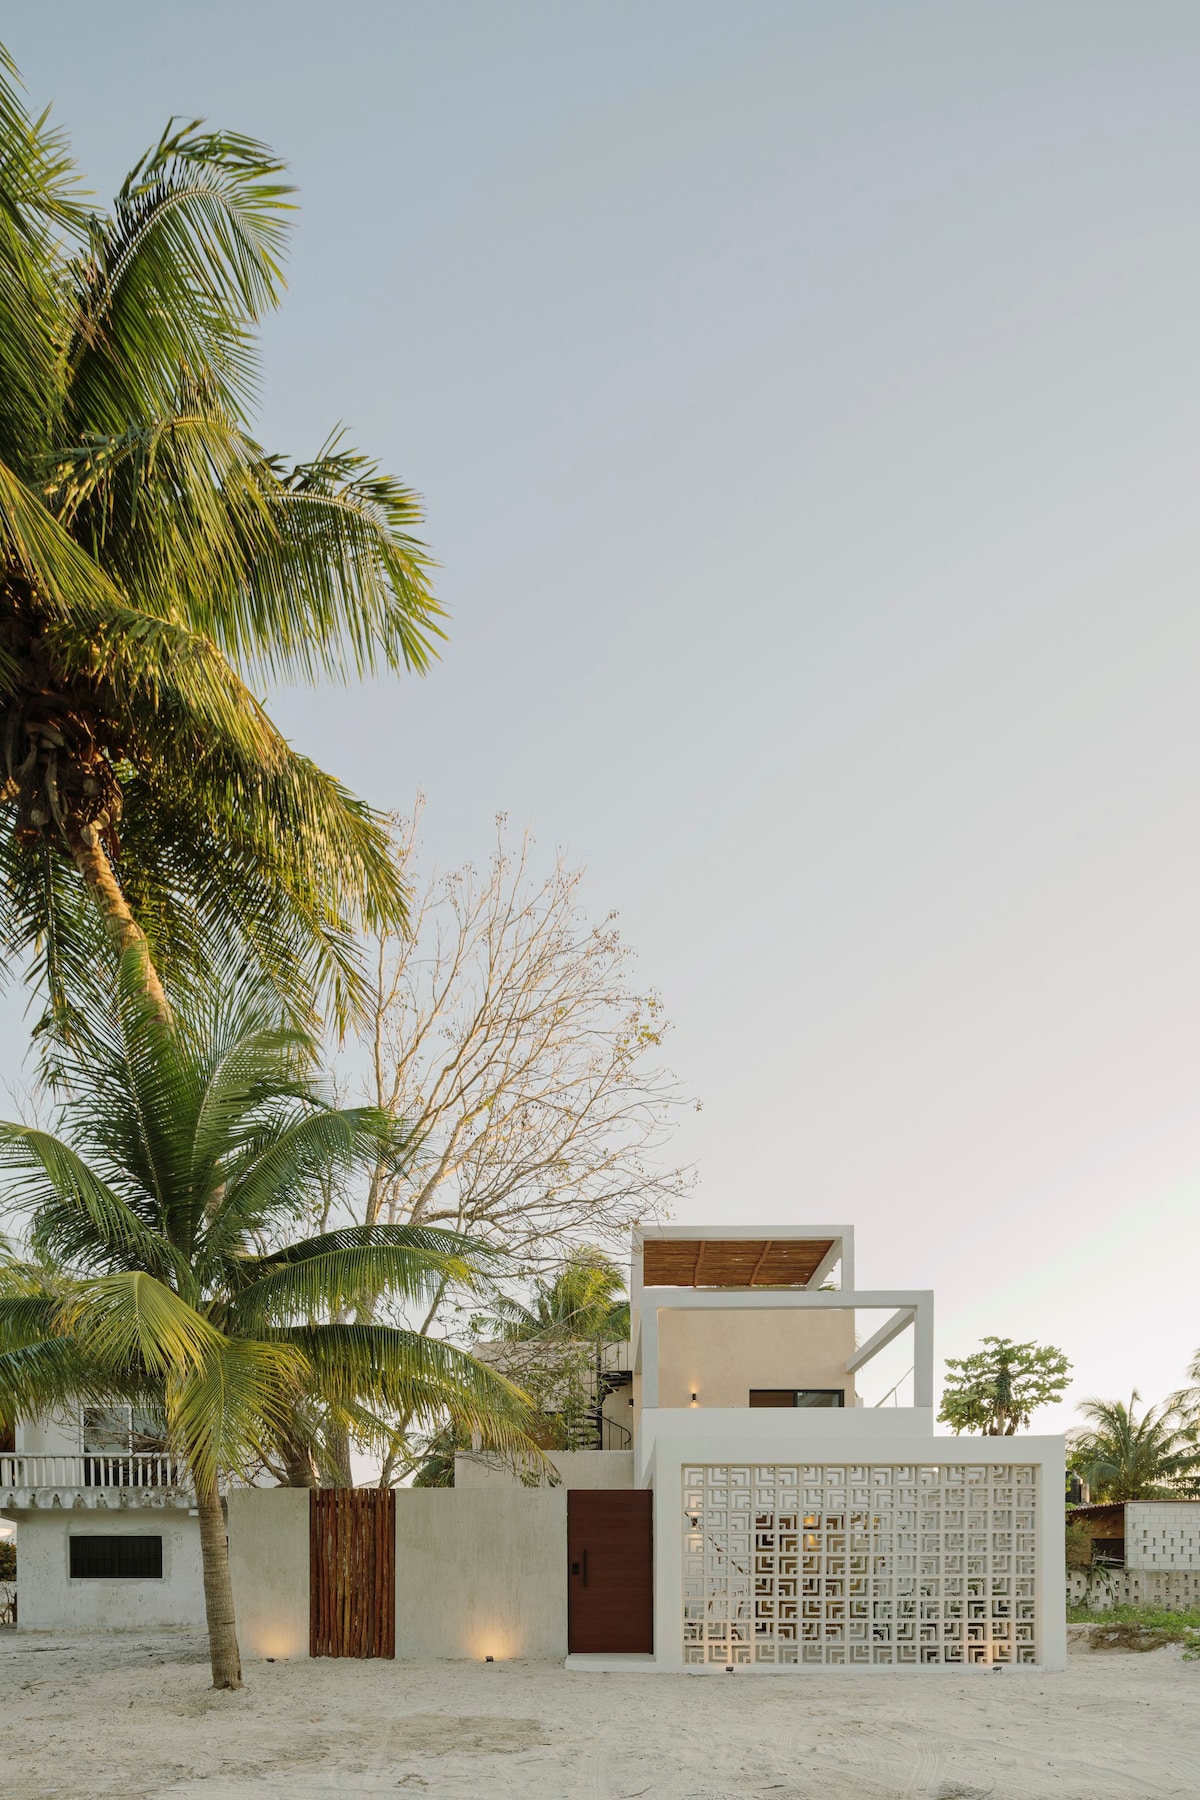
(879, 1563)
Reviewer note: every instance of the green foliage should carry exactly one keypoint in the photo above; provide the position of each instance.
(1079, 1544)
(549, 1347)
(1122, 1456)
(165, 1264)
(996, 1389)
(8, 1559)
(1142, 1627)
(580, 1304)
(156, 561)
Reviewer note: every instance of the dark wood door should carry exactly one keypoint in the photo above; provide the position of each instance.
(610, 1572)
(352, 1572)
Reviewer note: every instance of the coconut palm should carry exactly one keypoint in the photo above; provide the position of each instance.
(165, 1261)
(581, 1302)
(154, 560)
(1122, 1456)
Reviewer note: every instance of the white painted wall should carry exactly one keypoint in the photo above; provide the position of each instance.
(268, 1560)
(720, 1355)
(49, 1435)
(1162, 1534)
(51, 1601)
(574, 1468)
(790, 1431)
(481, 1571)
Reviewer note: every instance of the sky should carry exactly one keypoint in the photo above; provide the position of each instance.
(804, 397)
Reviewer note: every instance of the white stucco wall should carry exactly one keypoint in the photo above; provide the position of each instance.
(721, 1355)
(268, 1561)
(51, 1601)
(574, 1468)
(481, 1571)
(49, 1435)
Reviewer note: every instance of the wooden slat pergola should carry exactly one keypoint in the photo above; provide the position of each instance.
(732, 1262)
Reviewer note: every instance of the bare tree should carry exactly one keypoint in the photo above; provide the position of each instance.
(512, 1037)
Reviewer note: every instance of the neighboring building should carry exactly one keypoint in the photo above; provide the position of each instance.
(1146, 1535)
(761, 1520)
(1143, 1553)
(107, 1538)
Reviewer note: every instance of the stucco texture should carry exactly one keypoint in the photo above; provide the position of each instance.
(51, 1601)
(481, 1572)
(268, 1561)
(720, 1355)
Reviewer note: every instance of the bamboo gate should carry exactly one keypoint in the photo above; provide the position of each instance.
(352, 1572)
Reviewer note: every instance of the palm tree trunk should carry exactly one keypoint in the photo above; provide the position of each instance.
(337, 1447)
(123, 929)
(299, 1464)
(223, 1651)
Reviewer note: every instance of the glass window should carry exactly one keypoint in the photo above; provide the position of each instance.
(107, 1430)
(124, 1558)
(797, 1397)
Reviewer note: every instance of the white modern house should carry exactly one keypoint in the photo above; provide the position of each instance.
(748, 1514)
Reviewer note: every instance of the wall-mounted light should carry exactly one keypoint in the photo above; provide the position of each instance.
(693, 1397)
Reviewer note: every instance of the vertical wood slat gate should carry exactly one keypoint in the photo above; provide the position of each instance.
(352, 1572)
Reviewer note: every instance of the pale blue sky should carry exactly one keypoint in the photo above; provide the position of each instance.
(805, 397)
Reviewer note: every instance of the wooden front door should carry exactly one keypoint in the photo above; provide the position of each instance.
(352, 1572)
(610, 1572)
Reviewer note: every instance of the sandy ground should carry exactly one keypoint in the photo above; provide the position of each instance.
(134, 1716)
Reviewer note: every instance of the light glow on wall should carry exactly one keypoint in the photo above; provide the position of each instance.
(278, 1639)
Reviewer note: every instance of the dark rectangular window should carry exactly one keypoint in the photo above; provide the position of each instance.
(124, 1558)
(797, 1397)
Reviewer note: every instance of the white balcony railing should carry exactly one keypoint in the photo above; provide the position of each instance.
(30, 1474)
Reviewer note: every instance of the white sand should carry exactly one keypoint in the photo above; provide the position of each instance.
(134, 1716)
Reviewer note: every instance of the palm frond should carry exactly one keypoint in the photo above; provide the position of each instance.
(39, 205)
(129, 1320)
(78, 1217)
(424, 1380)
(188, 261)
(340, 568)
(274, 1179)
(230, 1406)
(333, 1280)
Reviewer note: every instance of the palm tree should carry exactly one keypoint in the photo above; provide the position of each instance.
(554, 1347)
(1124, 1457)
(162, 1226)
(580, 1303)
(154, 560)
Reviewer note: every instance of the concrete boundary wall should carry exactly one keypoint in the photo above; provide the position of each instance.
(481, 1572)
(574, 1469)
(1175, 1590)
(268, 1559)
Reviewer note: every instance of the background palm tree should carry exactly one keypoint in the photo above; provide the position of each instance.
(153, 558)
(553, 1346)
(162, 1225)
(581, 1302)
(1124, 1457)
